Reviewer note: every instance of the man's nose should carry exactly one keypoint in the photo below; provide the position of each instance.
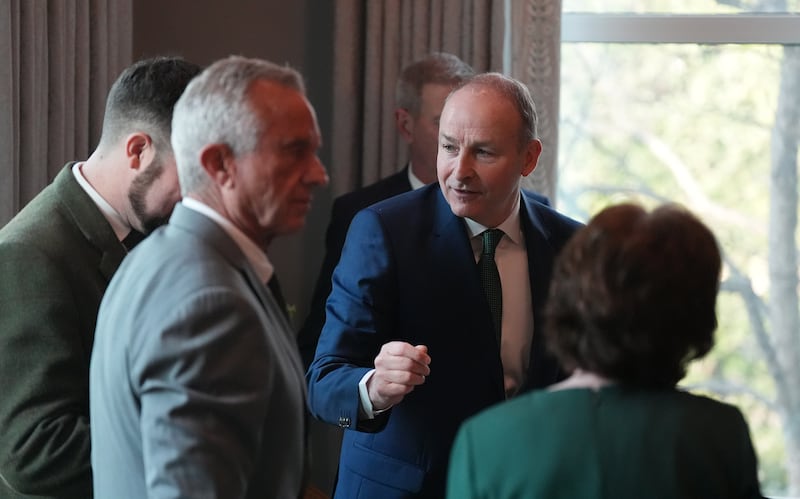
(316, 174)
(463, 167)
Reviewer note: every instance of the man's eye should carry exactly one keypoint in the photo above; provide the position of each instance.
(297, 151)
(448, 147)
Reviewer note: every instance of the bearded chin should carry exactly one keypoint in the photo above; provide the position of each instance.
(138, 193)
(148, 221)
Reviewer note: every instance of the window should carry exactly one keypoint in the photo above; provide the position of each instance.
(698, 101)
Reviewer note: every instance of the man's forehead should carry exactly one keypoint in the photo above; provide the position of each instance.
(481, 105)
(309, 138)
(274, 98)
(470, 94)
(458, 112)
(294, 130)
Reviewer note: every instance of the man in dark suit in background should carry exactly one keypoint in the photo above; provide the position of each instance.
(56, 259)
(196, 382)
(411, 344)
(419, 97)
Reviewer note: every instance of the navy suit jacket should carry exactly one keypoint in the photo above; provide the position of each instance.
(407, 272)
(344, 209)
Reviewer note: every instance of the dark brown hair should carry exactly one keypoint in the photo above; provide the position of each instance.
(143, 97)
(633, 295)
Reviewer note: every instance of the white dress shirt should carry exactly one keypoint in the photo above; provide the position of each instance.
(254, 254)
(118, 224)
(511, 257)
(415, 182)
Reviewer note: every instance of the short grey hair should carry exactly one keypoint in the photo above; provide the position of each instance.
(517, 94)
(436, 68)
(216, 109)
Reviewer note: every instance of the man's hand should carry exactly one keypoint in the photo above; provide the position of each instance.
(399, 367)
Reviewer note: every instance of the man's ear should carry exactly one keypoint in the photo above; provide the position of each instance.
(218, 162)
(532, 152)
(405, 124)
(139, 150)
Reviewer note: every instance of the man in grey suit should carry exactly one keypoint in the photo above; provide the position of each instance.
(196, 384)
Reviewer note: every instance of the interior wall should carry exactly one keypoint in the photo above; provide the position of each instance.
(205, 30)
(283, 32)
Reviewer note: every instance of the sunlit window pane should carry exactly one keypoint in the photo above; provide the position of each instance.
(696, 124)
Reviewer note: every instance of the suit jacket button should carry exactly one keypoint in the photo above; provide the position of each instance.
(344, 422)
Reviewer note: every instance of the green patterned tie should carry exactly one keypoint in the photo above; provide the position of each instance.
(490, 277)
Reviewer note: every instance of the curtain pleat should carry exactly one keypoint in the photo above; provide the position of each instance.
(58, 61)
(535, 60)
(31, 82)
(9, 110)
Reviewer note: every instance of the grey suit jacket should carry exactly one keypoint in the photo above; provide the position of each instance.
(196, 385)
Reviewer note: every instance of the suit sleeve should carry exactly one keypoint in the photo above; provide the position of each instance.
(309, 333)
(44, 421)
(461, 470)
(359, 319)
(203, 381)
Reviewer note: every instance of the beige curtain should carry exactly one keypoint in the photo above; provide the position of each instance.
(57, 62)
(534, 52)
(373, 40)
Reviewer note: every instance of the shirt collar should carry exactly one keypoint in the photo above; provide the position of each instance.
(121, 229)
(255, 255)
(511, 226)
(415, 182)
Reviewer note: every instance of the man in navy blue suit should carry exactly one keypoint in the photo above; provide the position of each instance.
(409, 348)
(419, 97)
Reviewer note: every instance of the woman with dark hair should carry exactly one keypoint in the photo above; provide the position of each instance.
(632, 302)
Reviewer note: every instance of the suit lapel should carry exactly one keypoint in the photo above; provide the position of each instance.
(455, 265)
(543, 369)
(90, 221)
(540, 255)
(450, 241)
(213, 234)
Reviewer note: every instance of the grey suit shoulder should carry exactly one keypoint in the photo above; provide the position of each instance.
(209, 359)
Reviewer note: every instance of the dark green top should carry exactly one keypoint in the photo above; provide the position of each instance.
(614, 443)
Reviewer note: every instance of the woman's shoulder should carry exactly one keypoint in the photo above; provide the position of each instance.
(525, 407)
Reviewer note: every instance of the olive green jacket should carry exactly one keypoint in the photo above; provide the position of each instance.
(56, 259)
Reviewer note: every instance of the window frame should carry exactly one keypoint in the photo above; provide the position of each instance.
(781, 29)
(709, 29)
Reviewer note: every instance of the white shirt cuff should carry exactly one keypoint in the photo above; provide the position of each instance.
(366, 403)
